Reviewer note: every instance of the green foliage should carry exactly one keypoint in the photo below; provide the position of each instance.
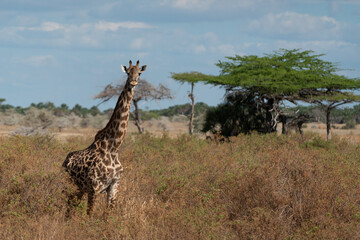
(147, 115)
(285, 72)
(41, 105)
(62, 110)
(190, 77)
(351, 124)
(79, 110)
(5, 107)
(237, 115)
(94, 111)
(317, 142)
(184, 109)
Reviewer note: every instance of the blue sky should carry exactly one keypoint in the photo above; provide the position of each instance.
(67, 51)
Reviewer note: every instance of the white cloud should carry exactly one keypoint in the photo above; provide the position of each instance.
(48, 27)
(141, 43)
(137, 43)
(214, 5)
(211, 36)
(315, 45)
(188, 4)
(334, 1)
(90, 41)
(296, 25)
(37, 61)
(200, 49)
(191, 4)
(141, 55)
(45, 27)
(26, 20)
(88, 34)
(100, 26)
(114, 26)
(226, 49)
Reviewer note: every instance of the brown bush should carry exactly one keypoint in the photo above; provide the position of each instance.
(252, 187)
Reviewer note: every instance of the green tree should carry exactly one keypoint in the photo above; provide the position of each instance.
(79, 110)
(283, 76)
(237, 115)
(41, 105)
(330, 91)
(94, 110)
(329, 99)
(62, 110)
(64, 107)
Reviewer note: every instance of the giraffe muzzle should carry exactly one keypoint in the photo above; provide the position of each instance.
(133, 83)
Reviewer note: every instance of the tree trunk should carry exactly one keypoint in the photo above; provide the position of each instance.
(299, 124)
(328, 127)
(191, 96)
(270, 125)
(137, 119)
(283, 120)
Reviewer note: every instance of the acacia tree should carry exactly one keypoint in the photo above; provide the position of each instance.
(281, 77)
(331, 91)
(192, 78)
(144, 92)
(329, 100)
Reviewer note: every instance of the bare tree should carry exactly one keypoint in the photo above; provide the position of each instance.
(144, 91)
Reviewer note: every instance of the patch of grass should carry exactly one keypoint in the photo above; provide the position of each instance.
(252, 187)
(317, 142)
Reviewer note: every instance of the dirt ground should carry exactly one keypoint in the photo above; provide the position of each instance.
(177, 128)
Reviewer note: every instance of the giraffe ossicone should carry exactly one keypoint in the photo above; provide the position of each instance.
(97, 169)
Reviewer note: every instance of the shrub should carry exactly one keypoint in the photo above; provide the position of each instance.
(350, 125)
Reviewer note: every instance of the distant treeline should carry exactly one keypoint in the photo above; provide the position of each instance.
(61, 110)
(342, 115)
(64, 109)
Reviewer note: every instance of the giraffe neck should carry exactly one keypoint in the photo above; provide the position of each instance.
(112, 136)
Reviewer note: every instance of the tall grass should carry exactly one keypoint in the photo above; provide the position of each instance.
(254, 187)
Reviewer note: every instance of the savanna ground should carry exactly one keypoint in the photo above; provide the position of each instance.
(183, 187)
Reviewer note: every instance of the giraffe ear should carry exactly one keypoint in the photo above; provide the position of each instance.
(143, 68)
(123, 68)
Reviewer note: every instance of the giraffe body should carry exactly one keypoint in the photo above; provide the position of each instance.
(97, 168)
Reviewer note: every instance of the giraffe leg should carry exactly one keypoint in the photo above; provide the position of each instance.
(111, 197)
(73, 201)
(91, 202)
(111, 194)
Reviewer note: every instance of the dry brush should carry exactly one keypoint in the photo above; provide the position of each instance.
(252, 187)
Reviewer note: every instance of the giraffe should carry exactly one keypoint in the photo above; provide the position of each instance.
(97, 168)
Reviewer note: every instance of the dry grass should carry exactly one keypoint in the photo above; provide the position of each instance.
(254, 187)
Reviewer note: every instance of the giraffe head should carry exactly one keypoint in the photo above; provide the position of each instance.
(133, 72)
